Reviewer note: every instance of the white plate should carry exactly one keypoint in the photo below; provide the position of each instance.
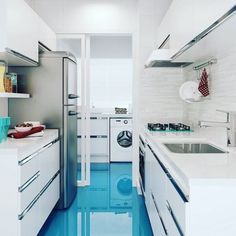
(189, 92)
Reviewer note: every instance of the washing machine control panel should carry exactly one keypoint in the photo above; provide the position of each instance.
(121, 122)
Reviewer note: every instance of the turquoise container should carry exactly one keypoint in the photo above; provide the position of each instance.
(4, 127)
(1, 129)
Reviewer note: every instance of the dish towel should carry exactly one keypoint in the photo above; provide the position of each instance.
(27, 133)
(203, 85)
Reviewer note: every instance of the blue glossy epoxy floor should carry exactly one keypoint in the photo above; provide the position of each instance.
(109, 207)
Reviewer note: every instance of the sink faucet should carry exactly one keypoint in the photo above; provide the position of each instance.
(229, 125)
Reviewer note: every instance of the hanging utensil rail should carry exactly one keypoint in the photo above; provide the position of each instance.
(210, 62)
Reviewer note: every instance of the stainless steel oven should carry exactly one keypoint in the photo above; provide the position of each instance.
(142, 147)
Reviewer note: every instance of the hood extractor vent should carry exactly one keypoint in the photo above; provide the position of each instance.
(162, 58)
(168, 64)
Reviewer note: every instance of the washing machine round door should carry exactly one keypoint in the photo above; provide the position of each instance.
(124, 186)
(124, 139)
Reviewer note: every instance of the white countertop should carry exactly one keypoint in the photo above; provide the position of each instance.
(26, 146)
(189, 169)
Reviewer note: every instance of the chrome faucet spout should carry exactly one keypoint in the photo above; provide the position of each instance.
(229, 125)
(203, 123)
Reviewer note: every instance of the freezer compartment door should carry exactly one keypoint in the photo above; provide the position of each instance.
(70, 82)
(69, 167)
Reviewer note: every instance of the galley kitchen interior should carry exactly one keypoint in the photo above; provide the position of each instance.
(118, 118)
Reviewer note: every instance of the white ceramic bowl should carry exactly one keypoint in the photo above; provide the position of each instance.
(23, 129)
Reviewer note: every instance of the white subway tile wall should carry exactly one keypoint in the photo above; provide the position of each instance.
(222, 78)
(159, 95)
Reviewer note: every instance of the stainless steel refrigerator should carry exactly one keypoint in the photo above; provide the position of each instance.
(53, 102)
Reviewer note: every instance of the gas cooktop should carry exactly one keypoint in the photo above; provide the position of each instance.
(168, 127)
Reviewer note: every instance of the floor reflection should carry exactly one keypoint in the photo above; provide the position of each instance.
(108, 207)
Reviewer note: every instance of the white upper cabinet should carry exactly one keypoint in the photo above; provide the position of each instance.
(163, 29)
(46, 36)
(181, 23)
(186, 19)
(22, 29)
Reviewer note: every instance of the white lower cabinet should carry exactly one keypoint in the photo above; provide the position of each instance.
(177, 206)
(49, 163)
(31, 190)
(99, 144)
(30, 223)
(174, 229)
(157, 223)
(166, 204)
(48, 200)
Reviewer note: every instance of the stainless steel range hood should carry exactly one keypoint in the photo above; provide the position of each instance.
(162, 58)
(204, 45)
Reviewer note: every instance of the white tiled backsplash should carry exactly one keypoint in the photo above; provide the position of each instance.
(222, 79)
(159, 95)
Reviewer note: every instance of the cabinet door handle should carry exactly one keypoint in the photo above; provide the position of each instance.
(45, 147)
(27, 159)
(158, 212)
(174, 218)
(29, 182)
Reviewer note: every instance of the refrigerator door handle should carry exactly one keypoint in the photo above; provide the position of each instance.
(73, 96)
(72, 113)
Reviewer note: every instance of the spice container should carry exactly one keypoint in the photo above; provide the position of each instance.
(13, 82)
(2, 76)
(8, 83)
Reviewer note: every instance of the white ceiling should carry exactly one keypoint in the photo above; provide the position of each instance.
(65, 12)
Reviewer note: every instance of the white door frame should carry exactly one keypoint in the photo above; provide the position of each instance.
(85, 99)
(85, 109)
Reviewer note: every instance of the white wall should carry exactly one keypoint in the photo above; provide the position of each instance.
(70, 45)
(159, 96)
(3, 106)
(222, 79)
(158, 87)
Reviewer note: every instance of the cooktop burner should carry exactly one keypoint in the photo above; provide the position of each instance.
(168, 127)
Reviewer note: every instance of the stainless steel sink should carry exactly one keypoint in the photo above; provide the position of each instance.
(190, 148)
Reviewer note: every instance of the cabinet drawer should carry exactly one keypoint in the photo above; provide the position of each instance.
(98, 146)
(173, 226)
(28, 167)
(49, 163)
(98, 126)
(29, 225)
(49, 199)
(177, 203)
(158, 227)
(158, 184)
(28, 191)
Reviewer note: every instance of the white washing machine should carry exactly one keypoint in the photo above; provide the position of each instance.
(120, 139)
(120, 185)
